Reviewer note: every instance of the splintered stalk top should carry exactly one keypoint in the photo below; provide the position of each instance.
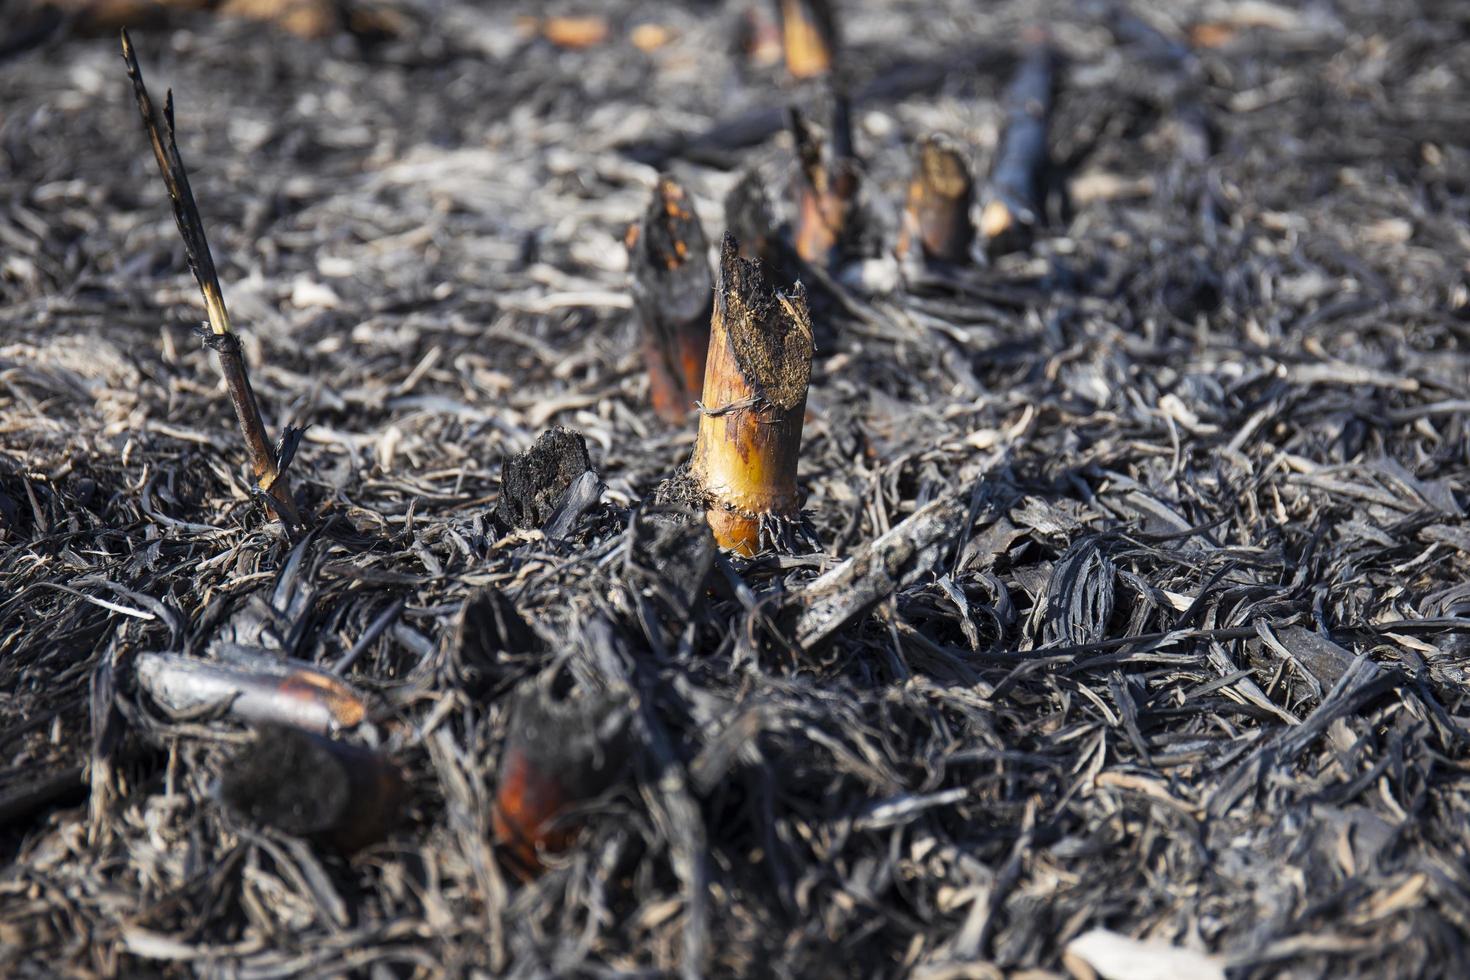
(176, 180)
(769, 331)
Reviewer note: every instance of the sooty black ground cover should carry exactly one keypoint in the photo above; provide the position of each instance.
(1180, 659)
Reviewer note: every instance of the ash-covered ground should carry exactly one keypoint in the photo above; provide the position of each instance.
(1191, 670)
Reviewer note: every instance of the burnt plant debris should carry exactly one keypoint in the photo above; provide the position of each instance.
(1127, 621)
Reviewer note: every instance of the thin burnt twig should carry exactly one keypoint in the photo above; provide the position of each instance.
(269, 475)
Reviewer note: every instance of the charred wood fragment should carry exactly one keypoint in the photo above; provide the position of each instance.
(755, 387)
(936, 217)
(268, 464)
(1022, 176)
(672, 291)
(344, 796)
(534, 482)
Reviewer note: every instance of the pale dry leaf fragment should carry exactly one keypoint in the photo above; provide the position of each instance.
(1114, 956)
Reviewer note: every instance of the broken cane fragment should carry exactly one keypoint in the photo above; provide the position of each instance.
(1022, 175)
(936, 217)
(827, 189)
(809, 36)
(672, 293)
(560, 753)
(306, 785)
(267, 464)
(267, 691)
(755, 384)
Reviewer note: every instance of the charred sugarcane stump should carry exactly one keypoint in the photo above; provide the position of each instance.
(1021, 178)
(560, 753)
(668, 254)
(936, 217)
(827, 189)
(755, 385)
(344, 796)
(808, 36)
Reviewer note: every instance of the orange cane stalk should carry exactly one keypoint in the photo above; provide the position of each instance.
(828, 189)
(755, 383)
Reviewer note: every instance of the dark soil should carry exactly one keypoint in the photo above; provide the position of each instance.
(1191, 670)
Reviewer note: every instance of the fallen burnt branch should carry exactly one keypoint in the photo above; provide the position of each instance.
(1023, 177)
(760, 360)
(891, 562)
(269, 464)
(672, 291)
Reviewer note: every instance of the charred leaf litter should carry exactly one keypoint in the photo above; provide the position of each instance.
(1169, 668)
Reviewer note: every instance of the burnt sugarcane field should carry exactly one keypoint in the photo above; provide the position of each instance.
(770, 488)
